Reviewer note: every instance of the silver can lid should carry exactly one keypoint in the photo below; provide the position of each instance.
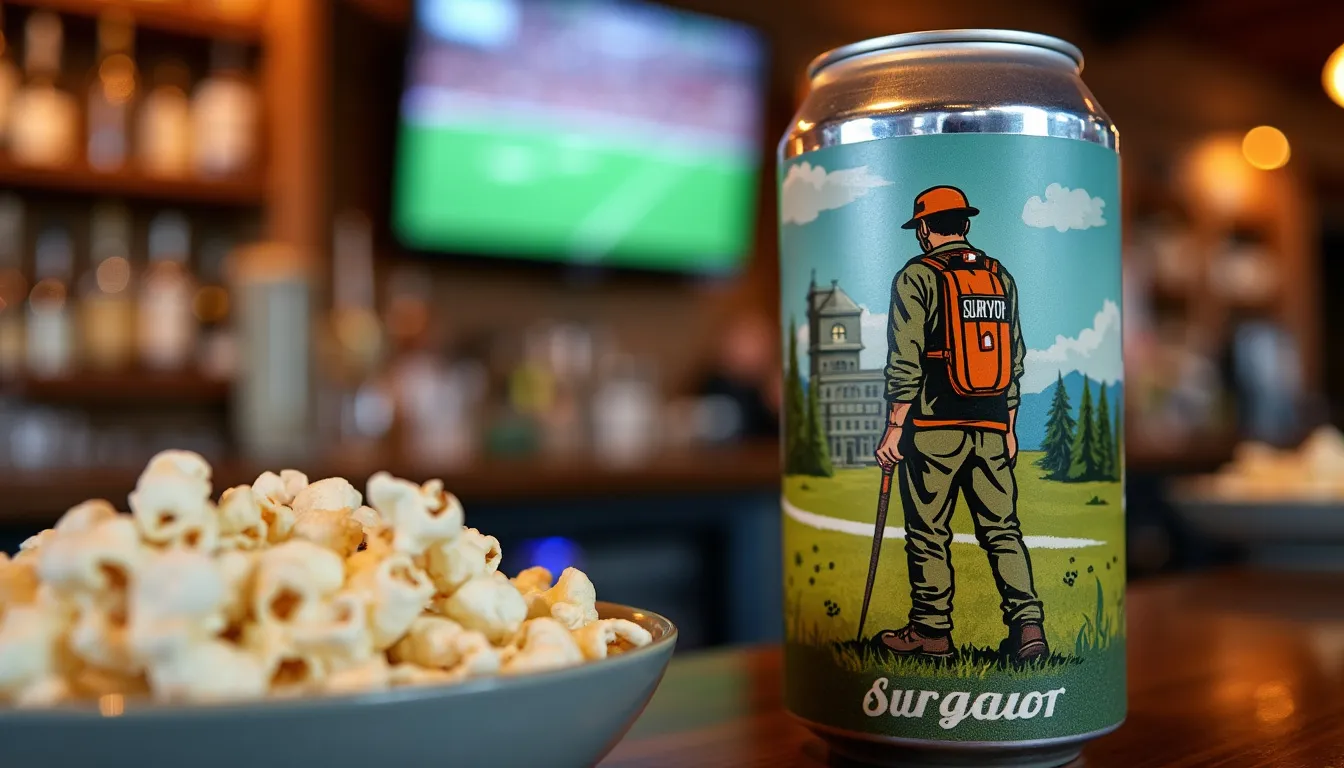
(941, 36)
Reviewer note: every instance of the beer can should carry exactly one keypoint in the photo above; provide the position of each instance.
(953, 506)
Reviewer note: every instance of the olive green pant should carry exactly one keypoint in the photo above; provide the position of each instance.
(938, 464)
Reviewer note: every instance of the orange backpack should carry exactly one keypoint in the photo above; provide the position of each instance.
(978, 324)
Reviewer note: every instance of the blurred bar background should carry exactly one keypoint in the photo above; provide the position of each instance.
(529, 247)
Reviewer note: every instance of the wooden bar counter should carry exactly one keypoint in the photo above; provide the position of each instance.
(1235, 670)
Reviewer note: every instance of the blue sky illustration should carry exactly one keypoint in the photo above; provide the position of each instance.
(1049, 211)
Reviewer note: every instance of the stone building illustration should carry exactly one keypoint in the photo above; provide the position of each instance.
(851, 398)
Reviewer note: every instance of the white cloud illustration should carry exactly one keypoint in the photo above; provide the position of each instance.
(874, 327)
(809, 189)
(1095, 352)
(1064, 209)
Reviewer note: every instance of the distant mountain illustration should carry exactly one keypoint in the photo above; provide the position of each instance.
(1035, 408)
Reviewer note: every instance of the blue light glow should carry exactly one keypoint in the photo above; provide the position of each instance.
(554, 553)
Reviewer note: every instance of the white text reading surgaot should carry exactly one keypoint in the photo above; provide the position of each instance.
(956, 706)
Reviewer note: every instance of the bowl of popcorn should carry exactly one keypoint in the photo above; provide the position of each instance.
(295, 623)
(1312, 472)
(1282, 507)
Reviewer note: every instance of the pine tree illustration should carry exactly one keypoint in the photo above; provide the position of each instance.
(1105, 444)
(819, 444)
(1059, 425)
(796, 442)
(1086, 460)
(1119, 451)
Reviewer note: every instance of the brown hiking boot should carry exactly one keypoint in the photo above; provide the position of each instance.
(910, 641)
(1027, 641)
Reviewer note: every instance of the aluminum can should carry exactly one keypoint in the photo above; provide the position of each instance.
(953, 503)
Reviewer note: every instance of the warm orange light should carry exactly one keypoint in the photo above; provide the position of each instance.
(211, 304)
(1218, 176)
(1332, 77)
(1265, 147)
(358, 330)
(47, 294)
(1273, 703)
(113, 275)
(117, 74)
(111, 705)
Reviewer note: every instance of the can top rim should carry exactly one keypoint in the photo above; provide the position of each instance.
(908, 39)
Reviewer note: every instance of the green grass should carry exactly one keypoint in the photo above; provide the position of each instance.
(969, 662)
(1045, 507)
(1102, 627)
(825, 570)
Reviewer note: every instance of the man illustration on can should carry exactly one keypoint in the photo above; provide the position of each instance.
(955, 358)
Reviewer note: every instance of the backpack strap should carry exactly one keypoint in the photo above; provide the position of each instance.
(939, 268)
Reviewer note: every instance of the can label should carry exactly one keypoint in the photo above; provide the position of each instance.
(958, 576)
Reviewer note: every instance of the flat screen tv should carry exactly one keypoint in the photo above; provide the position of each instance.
(611, 132)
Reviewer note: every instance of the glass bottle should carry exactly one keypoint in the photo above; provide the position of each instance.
(211, 308)
(167, 331)
(45, 117)
(355, 336)
(50, 338)
(10, 80)
(112, 92)
(106, 306)
(163, 135)
(224, 114)
(13, 286)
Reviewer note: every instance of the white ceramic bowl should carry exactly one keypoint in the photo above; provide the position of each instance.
(569, 717)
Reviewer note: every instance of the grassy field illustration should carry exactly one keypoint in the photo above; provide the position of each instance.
(1079, 567)
(1081, 587)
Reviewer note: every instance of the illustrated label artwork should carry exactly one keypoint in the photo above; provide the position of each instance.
(954, 514)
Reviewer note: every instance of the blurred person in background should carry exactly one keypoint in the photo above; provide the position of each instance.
(746, 376)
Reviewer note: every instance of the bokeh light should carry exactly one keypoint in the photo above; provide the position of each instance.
(1332, 77)
(1265, 147)
(211, 304)
(113, 275)
(1217, 175)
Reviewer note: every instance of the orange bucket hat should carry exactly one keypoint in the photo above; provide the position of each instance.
(939, 200)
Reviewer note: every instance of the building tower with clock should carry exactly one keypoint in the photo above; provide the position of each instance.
(852, 399)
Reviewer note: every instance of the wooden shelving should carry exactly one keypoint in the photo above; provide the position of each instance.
(124, 388)
(173, 16)
(242, 191)
(38, 497)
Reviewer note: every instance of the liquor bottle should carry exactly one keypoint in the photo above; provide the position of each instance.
(224, 114)
(355, 325)
(163, 136)
(352, 345)
(211, 308)
(45, 117)
(13, 286)
(50, 343)
(112, 92)
(10, 79)
(106, 305)
(167, 330)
